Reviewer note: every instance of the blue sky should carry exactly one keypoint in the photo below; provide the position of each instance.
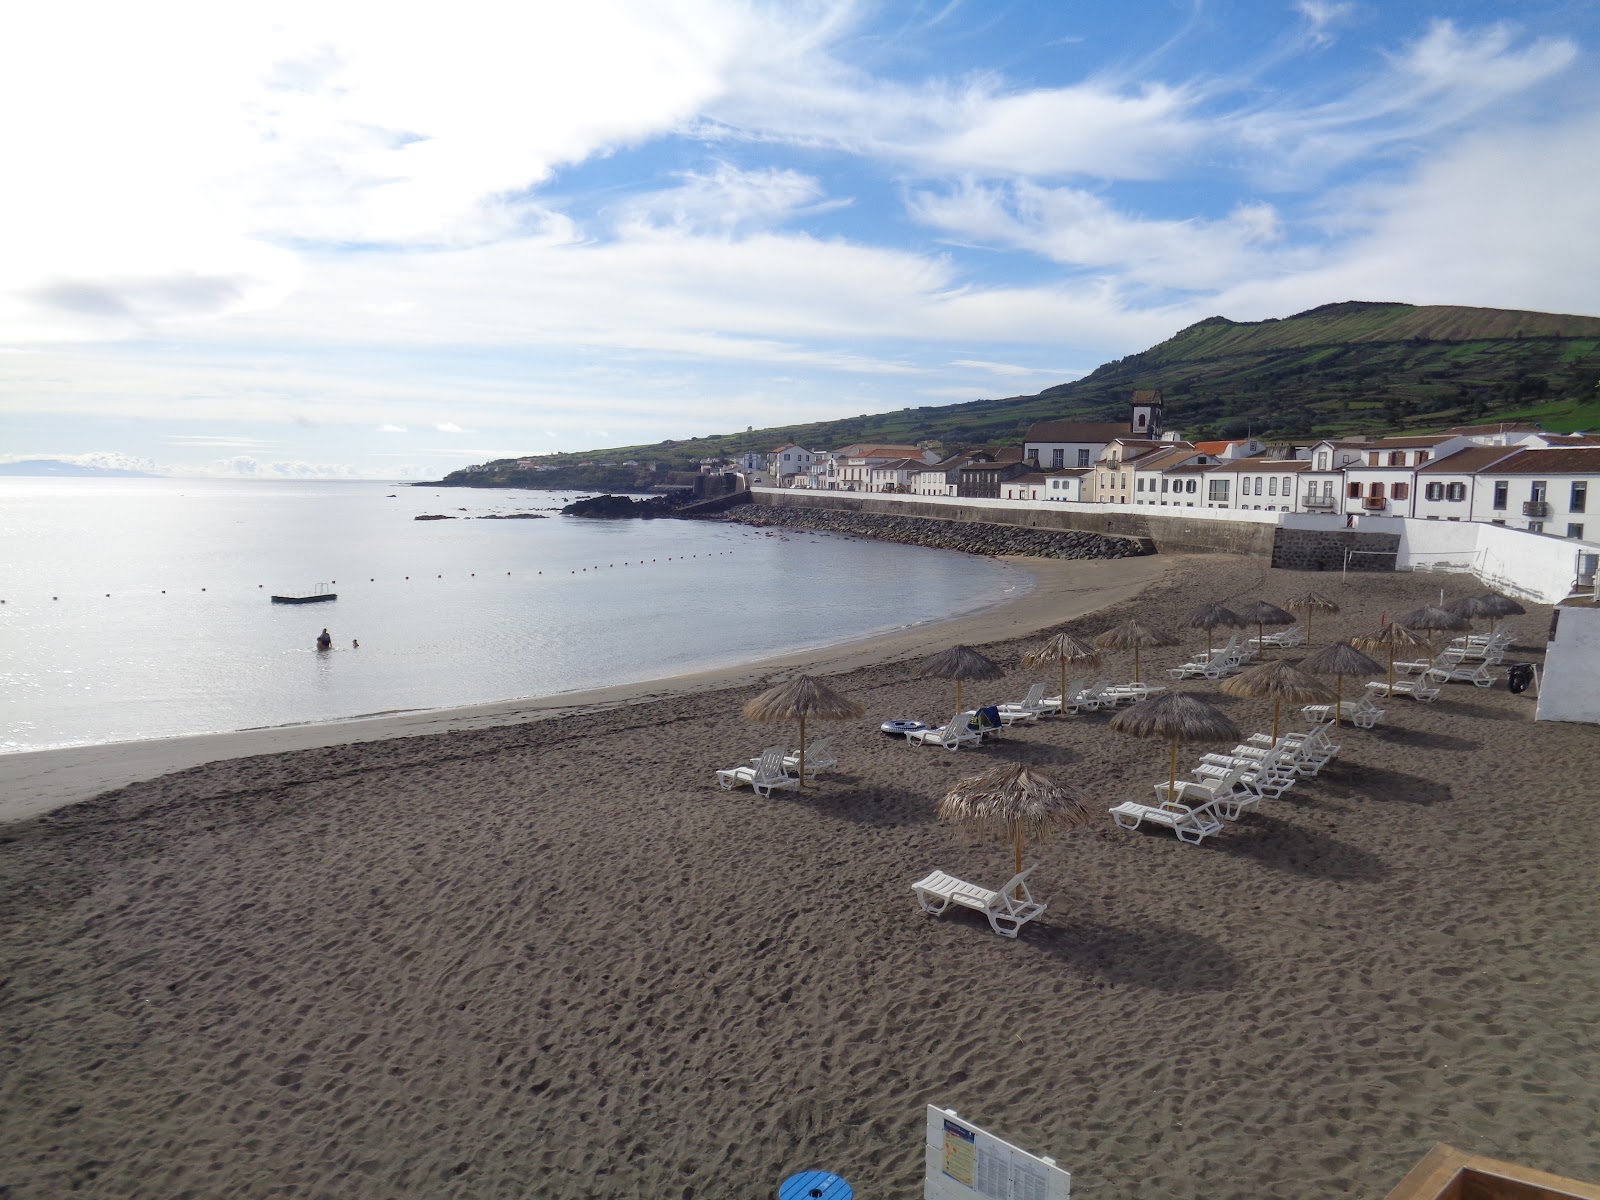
(330, 239)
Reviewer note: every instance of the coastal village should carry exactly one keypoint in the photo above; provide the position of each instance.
(1510, 473)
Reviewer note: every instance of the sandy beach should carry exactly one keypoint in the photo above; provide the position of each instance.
(533, 950)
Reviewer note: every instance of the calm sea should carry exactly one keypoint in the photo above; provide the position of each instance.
(141, 608)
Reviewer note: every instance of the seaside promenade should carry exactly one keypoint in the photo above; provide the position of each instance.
(550, 957)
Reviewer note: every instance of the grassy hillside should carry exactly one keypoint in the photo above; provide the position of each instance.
(1342, 368)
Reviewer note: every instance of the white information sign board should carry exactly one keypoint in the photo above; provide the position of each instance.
(965, 1163)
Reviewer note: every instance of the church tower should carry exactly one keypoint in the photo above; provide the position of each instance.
(1144, 418)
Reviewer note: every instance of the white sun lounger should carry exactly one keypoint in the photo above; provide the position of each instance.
(1269, 776)
(1192, 825)
(1477, 674)
(819, 757)
(1007, 914)
(952, 735)
(1417, 689)
(1085, 700)
(1361, 712)
(766, 775)
(1029, 708)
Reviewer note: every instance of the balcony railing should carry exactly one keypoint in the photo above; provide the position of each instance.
(1374, 503)
(1319, 501)
(1535, 508)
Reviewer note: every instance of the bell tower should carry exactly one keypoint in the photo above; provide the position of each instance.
(1144, 416)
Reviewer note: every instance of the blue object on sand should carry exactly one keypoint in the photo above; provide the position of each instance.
(815, 1185)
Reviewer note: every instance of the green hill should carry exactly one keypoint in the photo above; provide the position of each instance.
(1341, 368)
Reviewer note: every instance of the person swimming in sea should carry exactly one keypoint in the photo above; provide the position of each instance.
(324, 641)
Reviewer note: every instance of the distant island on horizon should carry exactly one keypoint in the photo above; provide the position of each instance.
(56, 468)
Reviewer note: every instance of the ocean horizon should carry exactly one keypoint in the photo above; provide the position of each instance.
(133, 609)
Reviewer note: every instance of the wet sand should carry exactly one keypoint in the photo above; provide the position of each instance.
(551, 958)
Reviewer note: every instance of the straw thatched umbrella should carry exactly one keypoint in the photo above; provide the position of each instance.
(1261, 614)
(1179, 716)
(1134, 635)
(1016, 802)
(1209, 617)
(1470, 607)
(1276, 681)
(1308, 606)
(961, 663)
(1063, 648)
(1342, 661)
(800, 698)
(1392, 637)
(1497, 606)
(1430, 618)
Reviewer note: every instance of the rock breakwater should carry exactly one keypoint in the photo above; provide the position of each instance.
(970, 537)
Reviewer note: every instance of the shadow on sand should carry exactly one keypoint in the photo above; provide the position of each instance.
(1298, 850)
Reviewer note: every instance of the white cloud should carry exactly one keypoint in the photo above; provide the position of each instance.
(724, 201)
(244, 467)
(1501, 220)
(448, 427)
(389, 428)
(1080, 229)
(1321, 16)
(1008, 369)
(345, 122)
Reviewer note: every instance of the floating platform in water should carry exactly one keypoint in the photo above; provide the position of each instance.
(314, 597)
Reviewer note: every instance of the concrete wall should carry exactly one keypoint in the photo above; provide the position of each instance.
(1171, 531)
(1569, 686)
(1529, 566)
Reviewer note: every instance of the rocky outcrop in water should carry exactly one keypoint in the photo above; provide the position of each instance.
(612, 507)
(969, 537)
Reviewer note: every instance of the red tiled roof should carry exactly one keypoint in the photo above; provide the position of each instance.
(1468, 460)
(1076, 431)
(1217, 448)
(1579, 460)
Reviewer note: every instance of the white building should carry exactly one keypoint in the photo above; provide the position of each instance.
(1263, 484)
(1446, 488)
(788, 460)
(851, 468)
(1381, 483)
(1058, 445)
(1150, 473)
(1542, 491)
(1046, 485)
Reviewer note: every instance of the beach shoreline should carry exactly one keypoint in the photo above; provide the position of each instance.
(555, 958)
(39, 781)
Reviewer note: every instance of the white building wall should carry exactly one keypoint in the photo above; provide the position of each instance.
(1569, 686)
(1558, 496)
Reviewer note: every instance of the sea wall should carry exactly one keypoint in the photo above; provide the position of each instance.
(1167, 531)
(970, 537)
(1334, 550)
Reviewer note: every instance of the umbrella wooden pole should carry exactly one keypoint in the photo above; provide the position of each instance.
(1136, 664)
(1062, 711)
(1338, 698)
(1172, 775)
(959, 706)
(1276, 705)
(1017, 845)
(802, 749)
(1390, 692)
